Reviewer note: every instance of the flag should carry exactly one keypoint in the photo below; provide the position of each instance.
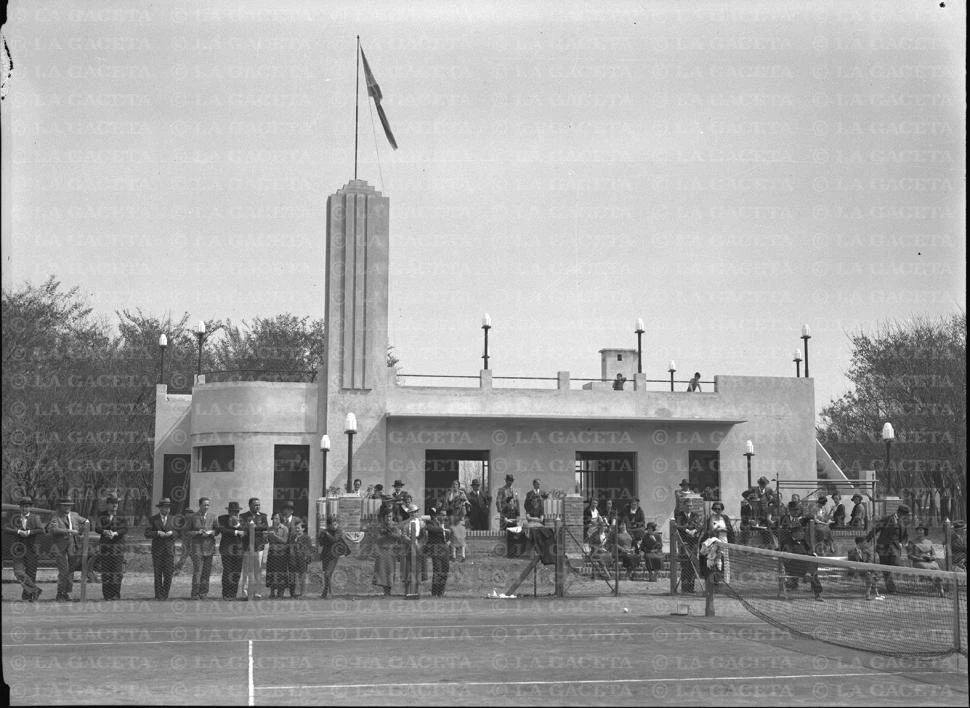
(374, 91)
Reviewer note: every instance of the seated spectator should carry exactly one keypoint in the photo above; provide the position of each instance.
(635, 521)
(628, 556)
(922, 555)
(838, 511)
(861, 553)
(860, 513)
(694, 385)
(609, 513)
(653, 554)
(795, 571)
(592, 518)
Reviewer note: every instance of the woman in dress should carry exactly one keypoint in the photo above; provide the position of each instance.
(653, 553)
(922, 555)
(718, 525)
(277, 557)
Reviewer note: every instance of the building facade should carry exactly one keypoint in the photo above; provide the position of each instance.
(235, 440)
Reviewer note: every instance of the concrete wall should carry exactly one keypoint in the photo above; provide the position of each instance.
(172, 432)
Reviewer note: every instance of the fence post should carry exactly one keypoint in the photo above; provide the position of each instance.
(674, 557)
(709, 593)
(947, 548)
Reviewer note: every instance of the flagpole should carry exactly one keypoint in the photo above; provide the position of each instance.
(356, 107)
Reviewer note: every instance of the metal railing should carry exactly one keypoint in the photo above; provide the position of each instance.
(272, 376)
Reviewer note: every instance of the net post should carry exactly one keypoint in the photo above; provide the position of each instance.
(560, 557)
(811, 534)
(616, 561)
(709, 595)
(956, 615)
(947, 548)
(674, 557)
(86, 526)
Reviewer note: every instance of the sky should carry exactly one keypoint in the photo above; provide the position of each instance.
(725, 171)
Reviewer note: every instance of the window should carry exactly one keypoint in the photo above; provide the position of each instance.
(217, 458)
(619, 357)
(607, 475)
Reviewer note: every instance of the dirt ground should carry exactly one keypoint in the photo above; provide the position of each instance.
(463, 649)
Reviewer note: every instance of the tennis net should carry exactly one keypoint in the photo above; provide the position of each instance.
(891, 610)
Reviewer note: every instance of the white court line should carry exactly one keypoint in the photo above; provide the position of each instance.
(399, 685)
(252, 693)
(504, 638)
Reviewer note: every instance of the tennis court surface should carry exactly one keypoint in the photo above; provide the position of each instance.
(371, 650)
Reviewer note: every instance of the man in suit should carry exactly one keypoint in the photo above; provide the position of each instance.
(259, 523)
(25, 527)
(329, 539)
(399, 502)
(479, 503)
(66, 528)
(232, 545)
(112, 528)
(891, 537)
(507, 503)
(161, 530)
(202, 528)
(533, 500)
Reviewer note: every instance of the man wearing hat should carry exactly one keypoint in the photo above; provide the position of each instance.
(231, 547)
(413, 560)
(66, 528)
(25, 527)
(891, 538)
(260, 525)
(479, 503)
(507, 504)
(112, 529)
(860, 513)
(202, 528)
(399, 502)
(161, 530)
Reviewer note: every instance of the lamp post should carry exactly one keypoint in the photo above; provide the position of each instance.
(672, 367)
(639, 331)
(806, 335)
(200, 334)
(798, 363)
(749, 453)
(350, 427)
(888, 434)
(324, 449)
(162, 343)
(486, 325)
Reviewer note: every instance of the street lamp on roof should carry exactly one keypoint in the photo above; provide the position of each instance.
(162, 343)
(639, 331)
(350, 428)
(749, 453)
(888, 434)
(806, 335)
(672, 367)
(200, 334)
(324, 449)
(486, 325)
(798, 363)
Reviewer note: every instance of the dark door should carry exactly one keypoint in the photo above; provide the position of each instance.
(175, 481)
(291, 478)
(705, 473)
(607, 476)
(442, 467)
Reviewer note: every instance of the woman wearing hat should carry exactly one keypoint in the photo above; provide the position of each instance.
(653, 552)
(277, 557)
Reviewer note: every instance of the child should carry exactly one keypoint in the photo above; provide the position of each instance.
(862, 554)
(301, 552)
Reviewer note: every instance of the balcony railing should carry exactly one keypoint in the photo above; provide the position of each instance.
(539, 383)
(260, 375)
